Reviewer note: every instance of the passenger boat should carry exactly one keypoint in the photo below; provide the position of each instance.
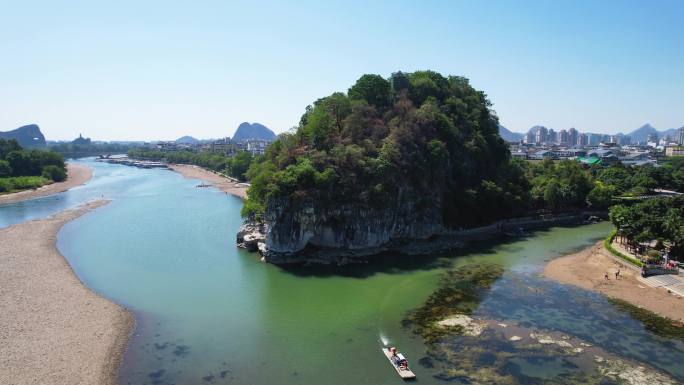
(399, 362)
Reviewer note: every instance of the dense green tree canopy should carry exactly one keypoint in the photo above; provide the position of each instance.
(7, 146)
(653, 219)
(642, 180)
(372, 89)
(5, 169)
(22, 169)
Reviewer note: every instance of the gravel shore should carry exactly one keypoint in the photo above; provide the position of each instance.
(222, 183)
(54, 330)
(587, 268)
(77, 174)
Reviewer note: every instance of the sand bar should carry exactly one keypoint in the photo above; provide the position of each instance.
(586, 269)
(77, 174)
(54, 330)
(224, 184)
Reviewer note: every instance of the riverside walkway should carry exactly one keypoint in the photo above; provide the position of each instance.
(673, 283)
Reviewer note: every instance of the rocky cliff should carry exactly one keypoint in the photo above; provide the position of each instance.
(28, 136)
(307, 230)
(347, 234)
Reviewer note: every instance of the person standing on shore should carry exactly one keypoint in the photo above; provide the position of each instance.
(617, 274)
(606, 276)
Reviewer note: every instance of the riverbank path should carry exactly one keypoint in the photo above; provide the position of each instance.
(673, 283)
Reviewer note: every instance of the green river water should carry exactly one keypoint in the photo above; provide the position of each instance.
(209, 313)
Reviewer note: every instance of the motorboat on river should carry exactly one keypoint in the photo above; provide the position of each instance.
(399, 362)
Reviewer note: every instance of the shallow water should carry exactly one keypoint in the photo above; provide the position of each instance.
(208, 312)
(108, 181)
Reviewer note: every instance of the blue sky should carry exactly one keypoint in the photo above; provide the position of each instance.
(163, 69)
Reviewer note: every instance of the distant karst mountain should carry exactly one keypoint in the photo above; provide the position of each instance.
(253, 131)
(28, 136)
(509, 135)
(187, 140)
(640, 135)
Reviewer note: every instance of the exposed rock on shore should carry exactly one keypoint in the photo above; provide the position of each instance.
(311, 232)
(251, 236)
(469, 326)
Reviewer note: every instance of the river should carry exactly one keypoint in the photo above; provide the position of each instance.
(208, 312)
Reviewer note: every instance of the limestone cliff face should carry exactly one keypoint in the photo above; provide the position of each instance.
(313, 233)
(309, 231)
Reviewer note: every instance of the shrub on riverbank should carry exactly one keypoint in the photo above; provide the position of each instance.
(54, 173)
(608, 244)
(19, 183)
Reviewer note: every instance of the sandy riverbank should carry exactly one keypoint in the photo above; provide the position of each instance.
(586, 269)
(77, 174)
(224, 184)
(54, 330)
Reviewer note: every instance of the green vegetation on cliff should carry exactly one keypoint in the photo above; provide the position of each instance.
(419, 136)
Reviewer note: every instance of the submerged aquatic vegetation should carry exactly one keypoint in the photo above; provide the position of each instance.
(492, 358)
(486, 347)
(661, 326)
(459, 292)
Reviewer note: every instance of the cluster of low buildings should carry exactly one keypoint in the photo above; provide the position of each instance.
(225, 146)
(541, 143)
(605, 154)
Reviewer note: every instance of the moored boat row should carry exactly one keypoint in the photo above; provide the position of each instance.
(133, 162)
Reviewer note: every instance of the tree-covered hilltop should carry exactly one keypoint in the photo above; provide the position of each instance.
(420, 135)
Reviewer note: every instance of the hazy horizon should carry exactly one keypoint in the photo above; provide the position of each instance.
(50, 139)
(159, 71)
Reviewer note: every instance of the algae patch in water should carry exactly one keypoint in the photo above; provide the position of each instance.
(459, 293)
(660, 326)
